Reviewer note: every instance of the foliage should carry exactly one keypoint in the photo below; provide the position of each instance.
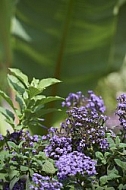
(50, 35)
(81, 154)
(31, 102)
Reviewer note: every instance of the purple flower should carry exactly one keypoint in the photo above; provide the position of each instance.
(75, 163)
(73, 99)
(95, 102)
(104, 145)
(40, 182)
(121, 110)
(1, 137)
(58, 146)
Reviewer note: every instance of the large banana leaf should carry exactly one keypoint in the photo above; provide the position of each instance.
(76, 41)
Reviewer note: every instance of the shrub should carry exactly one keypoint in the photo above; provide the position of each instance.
(80, 154)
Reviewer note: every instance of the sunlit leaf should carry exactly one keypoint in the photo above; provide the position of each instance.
(21, 76)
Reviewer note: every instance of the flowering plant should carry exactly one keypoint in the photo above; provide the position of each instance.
(81, 153)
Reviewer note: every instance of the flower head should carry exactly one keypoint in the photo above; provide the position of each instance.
(75, 163)
(121, 110)
(58, 146)
(40, 182)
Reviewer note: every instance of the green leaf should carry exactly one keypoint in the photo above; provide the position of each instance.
(24, 168)
(7, 98)
(117, 141)
(21, 76)
(8, 115)
(67, 45)
(28, 184)
(12, 145)
(12, 182)
(122, 145)
(44, 83)
(103, 180)
(111, 142)
(48, 99)
(20, 101)
(113, 176)
(33, 91)
(121, 187)
(120, 163)
(16, 84)
(42, 112)
(48, 167)
(101, 157)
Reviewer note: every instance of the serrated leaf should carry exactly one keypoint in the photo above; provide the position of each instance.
(21, 76)
(44, 83)
(7, 98)
(16, 84)
(48, 167)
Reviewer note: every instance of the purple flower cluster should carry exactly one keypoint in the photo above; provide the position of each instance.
(74, 99)
(44, 183)
(85, 122)
(75, 163)
(121, 110)
(58, 146)
(1, 137)
(95, 103)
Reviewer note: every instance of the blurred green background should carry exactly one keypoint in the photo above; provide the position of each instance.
(80, 42)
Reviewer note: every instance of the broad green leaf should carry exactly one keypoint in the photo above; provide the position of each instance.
(6, 14)
(20, 101)
(21, 76)
(12, 182)
(77, 42)
(122, 145)
(44, 83)
(49, 99)
(7, 98)
(28, 184)
(8, 115)
(24, 168)
(99, 155)
(112, 176)
(33, 91)
(120, 163)
(117, 141)
(42, 112)
(12, 145)
(48, 167)
(16, 84)
(111, 142)
(103, 180)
